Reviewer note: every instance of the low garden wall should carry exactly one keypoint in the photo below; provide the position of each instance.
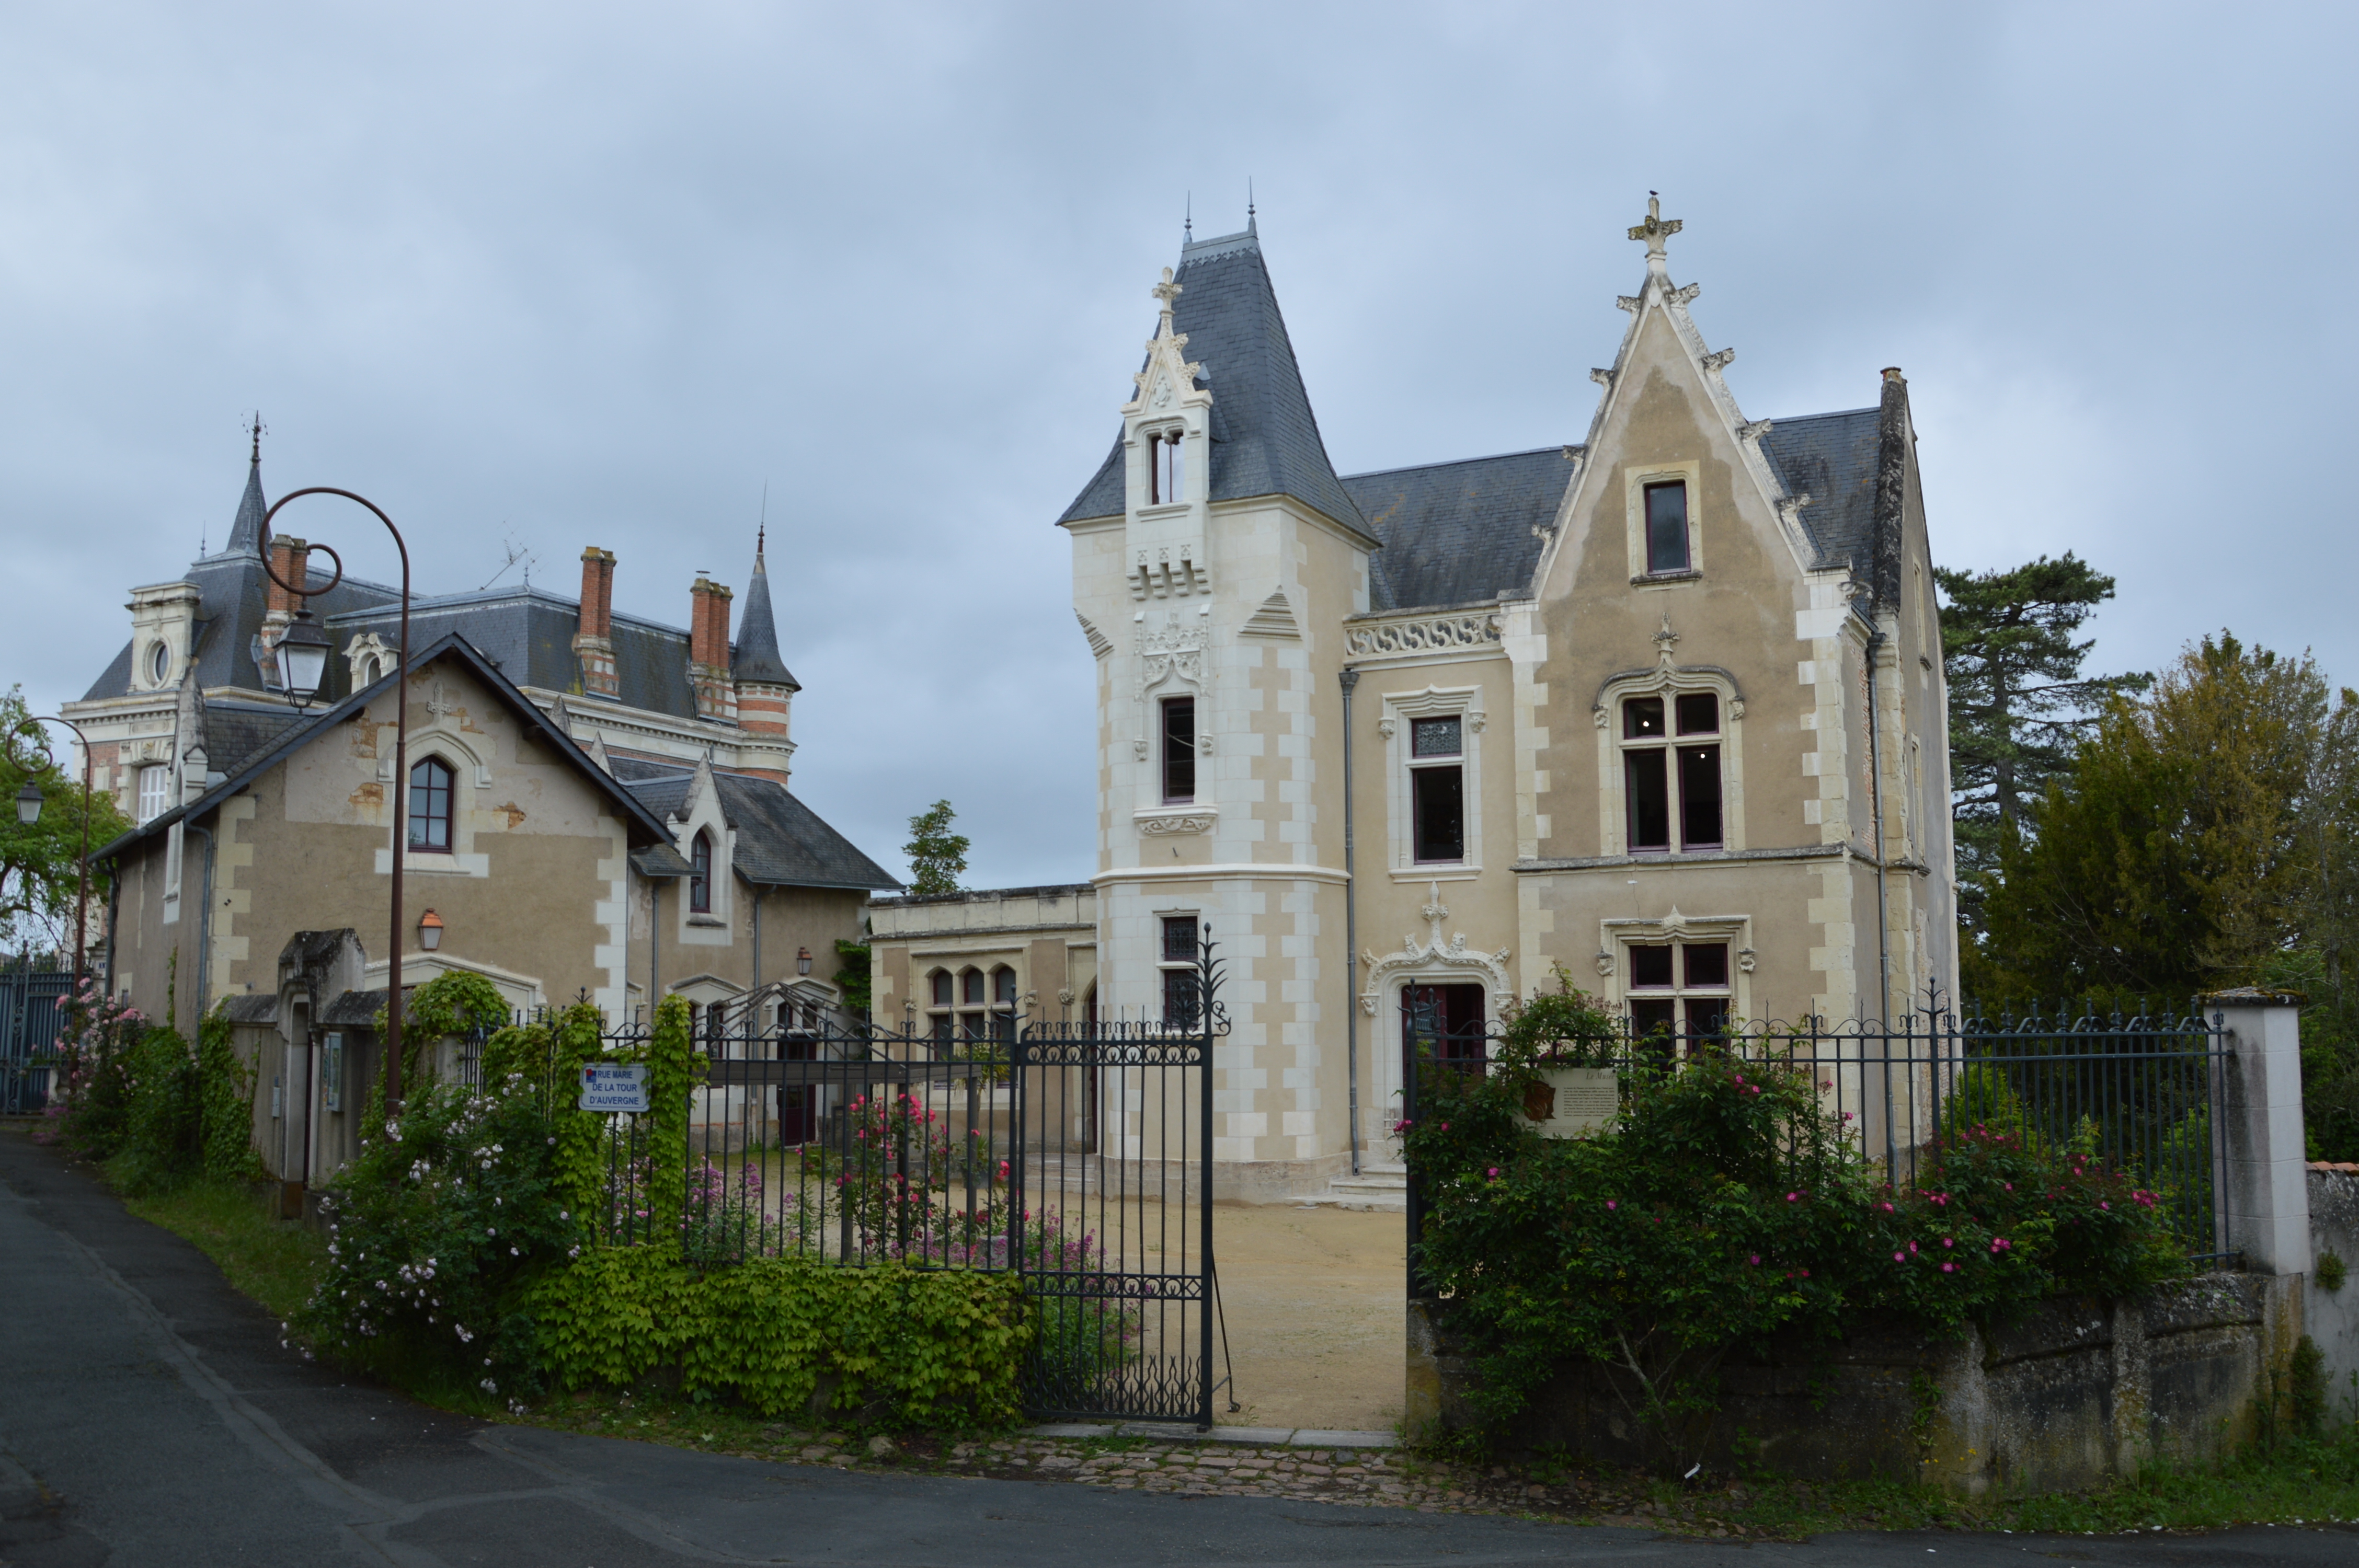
(2331, 1309)
(2074, 1393)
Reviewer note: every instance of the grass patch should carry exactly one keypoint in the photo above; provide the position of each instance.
(274, 1261)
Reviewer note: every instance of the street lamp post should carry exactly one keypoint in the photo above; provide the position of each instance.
(302, 658)
(29, 811)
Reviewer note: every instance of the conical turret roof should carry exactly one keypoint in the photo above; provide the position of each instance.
(755, 657)
(245, 534)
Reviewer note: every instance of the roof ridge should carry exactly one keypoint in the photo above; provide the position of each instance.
(1454, 463)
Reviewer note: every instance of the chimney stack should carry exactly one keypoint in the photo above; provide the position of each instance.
(593, 639)
(708, 652)
(290, 559)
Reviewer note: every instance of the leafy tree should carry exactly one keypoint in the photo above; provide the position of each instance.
(2176, 853)
(936, 854)
(2018, 699)
(40, 863)
(854, 977)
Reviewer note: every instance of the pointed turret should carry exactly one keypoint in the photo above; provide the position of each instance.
(245, 534)
(757, 661)
(765, 691)
(1265, 438)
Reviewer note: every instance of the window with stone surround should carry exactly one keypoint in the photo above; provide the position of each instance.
(700, 874)
(1666, 527)
(1179, 973)
(1437, 787)
(1678, 988)
(1672, 793)
(155, 791)
(1179, 749)
(429, 807)
(1167, 475)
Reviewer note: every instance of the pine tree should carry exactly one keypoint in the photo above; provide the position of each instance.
(2018, 700)
(936, 854)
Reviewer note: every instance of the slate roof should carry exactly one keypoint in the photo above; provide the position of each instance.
(781, 842)
(1831, 459)
(1460, 533)
(755, 657)
(235, 732)
(644, 827)
(1266, 440)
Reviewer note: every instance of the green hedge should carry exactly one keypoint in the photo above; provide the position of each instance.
(930, 1346)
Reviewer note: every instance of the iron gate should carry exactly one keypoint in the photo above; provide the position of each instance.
(1076, 1154)
(31, 1012)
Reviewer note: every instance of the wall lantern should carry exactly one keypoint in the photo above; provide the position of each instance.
(429, 931)
(29, 811)
(802, 960)
(302, 659)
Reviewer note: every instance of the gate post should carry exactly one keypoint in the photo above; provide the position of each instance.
(2266, 1195)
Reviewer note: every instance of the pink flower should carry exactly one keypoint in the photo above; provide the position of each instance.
(1793, 1197)
(1756, 1259)
(2105, 1206)
(1912, 1247)
(1846, 1116)
(1887, 1209)
(1494, 1172)
(1901, 1257)
(1946, 1242)
(1612, 1204)
(1948, 1267)
(2000, 1244)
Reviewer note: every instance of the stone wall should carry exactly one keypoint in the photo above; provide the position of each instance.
(2072, 1394)
(2332, 1316)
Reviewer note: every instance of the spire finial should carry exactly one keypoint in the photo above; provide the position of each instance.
(1251, 227)
(762, 528)
(255, 427)
(1187, 227)
(1655, 230)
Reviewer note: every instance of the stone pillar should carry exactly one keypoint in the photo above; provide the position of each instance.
(2267, 1198)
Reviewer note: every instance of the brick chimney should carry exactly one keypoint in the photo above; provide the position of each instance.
(594, 639)
(708, 652)
(291, 560)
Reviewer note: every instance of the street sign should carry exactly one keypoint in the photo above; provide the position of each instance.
(606, 1087)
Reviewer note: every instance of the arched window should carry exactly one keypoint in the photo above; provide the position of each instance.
(942, 1023)
(699, 874)
(429, 807)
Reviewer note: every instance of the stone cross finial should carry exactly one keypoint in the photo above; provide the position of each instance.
(1655, 230)
(1166, 292)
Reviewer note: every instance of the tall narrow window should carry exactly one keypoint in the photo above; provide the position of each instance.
(1178, 975)
(940, 1022)
(1666, 526)
(155, 790)
(699, 874)
(429, 807)
(1437, 789)
(1671, 784)
(1166, 473)
(1178, 750)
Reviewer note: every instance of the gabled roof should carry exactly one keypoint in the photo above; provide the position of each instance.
(1830, 458)
(1266, 440)
(644, 827)
(1460, 533)
(755, 657)
(781, 842)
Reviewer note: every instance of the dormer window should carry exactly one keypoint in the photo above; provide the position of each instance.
(1166, 474)
(159, 662)
(699, 874)
(1666, 527)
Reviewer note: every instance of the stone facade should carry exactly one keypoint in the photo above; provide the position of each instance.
(1684, 677)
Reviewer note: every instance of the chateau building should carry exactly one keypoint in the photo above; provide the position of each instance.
(1663, 707)
(598, 806)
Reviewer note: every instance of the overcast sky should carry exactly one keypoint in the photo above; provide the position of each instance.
(574, 274)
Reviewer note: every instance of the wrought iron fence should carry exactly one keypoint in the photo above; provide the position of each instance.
(1076, 1155)
(2138, 1089)
(32, 1011)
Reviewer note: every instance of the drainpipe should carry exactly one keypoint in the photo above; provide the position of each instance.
(753, 991)
(1876, 806)
(1350, 933)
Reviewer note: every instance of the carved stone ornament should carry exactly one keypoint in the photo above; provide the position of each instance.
(1387, 727)
(1163, 823)
(1744, 959)
(1064, 996)
(1431, 954)
(1425, 634)
(1601, 375)
(1606, 963)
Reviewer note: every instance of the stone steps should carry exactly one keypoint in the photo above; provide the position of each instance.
(1379, 1188)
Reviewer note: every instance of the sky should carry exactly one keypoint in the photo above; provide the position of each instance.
(546, 277)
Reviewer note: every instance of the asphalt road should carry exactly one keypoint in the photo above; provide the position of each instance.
(148, 1416)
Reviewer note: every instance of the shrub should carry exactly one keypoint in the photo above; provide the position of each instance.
(1724, 1206)
(90, 1089)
